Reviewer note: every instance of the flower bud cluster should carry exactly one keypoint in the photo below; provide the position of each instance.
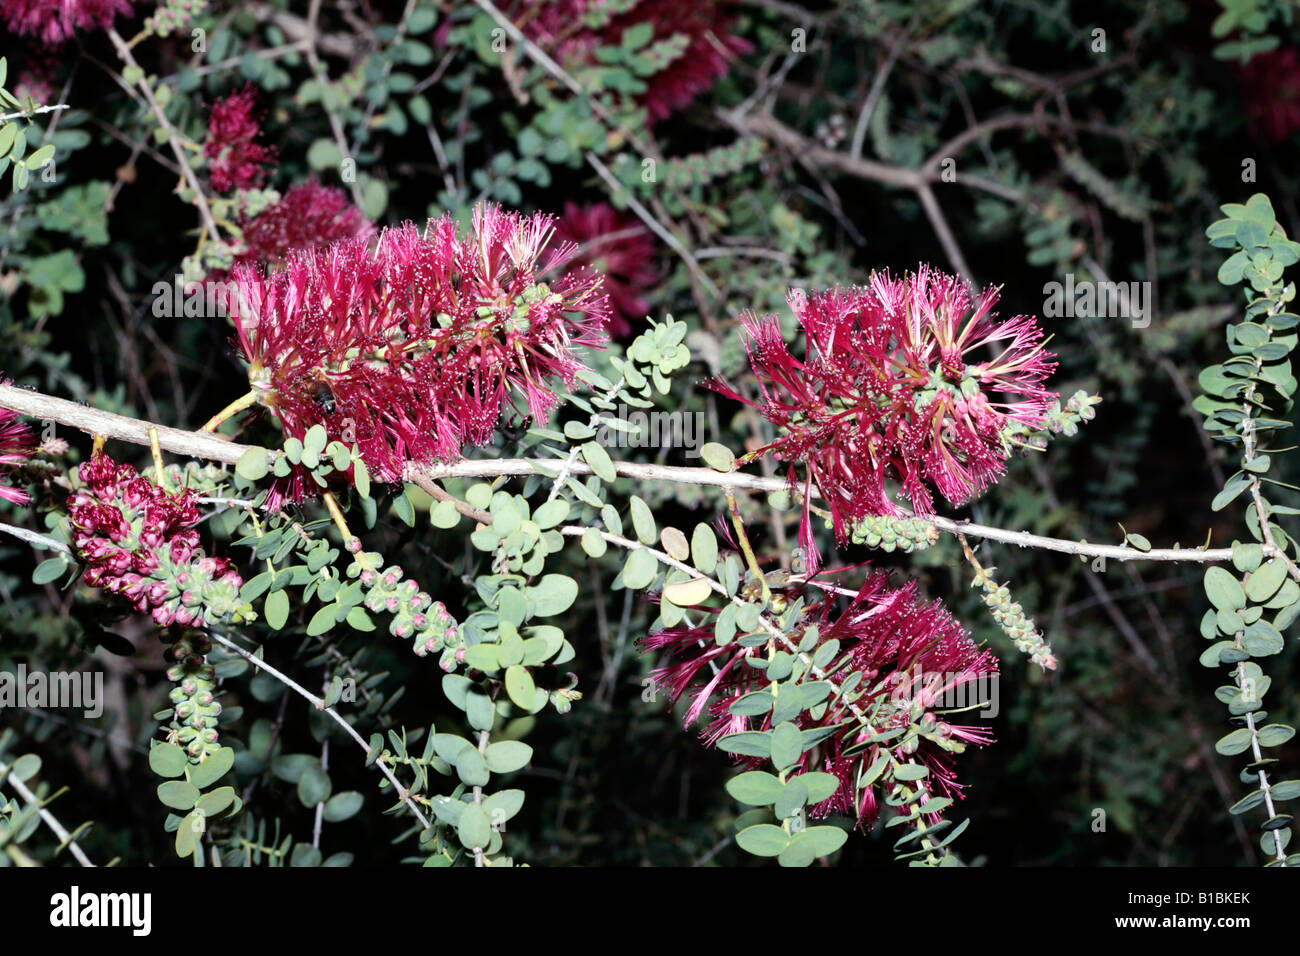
(1056, 421)
(202, 480)
(1079, 409)
(415, 614)
(139, 541)
(890, 534)
(1010, 616)
(701, 168)
(194, 724)
(172, 15)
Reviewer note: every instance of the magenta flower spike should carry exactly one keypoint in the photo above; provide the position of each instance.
(17, 442)
(411, 346)
(913, 656)
(703, 27)
(235, 159)
(54, 21)
(308, 216)
(896, 388)
(621, 249)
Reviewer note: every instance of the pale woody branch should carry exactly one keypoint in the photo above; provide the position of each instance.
(211, 447)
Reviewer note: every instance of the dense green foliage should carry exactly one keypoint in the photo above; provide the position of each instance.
(1016, 144)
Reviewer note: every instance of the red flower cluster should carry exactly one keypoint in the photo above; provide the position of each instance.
(410, 348)
(914, 660)
(618, 247)
(53, 21)
(138, 541)
(1271, 84)
(16, 445)
(696, 54)
(309, 216)
(235, 159)
(892, 388)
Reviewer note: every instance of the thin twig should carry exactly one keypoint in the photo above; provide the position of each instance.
(213, 448)
(50, 820)
(402, 792)
(655, 225)
(173, 137)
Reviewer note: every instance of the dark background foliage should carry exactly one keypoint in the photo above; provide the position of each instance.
(1102, 164)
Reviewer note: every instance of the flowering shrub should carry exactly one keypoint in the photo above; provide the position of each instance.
(55, 22)
(309, 216)
(619, 249)
(568, 373)
(687, 45)
(910, 655)
(419, 344)
(889, 389)
(16, 445)
(235, 159)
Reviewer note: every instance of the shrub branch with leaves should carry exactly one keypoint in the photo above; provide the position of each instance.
(411, 502)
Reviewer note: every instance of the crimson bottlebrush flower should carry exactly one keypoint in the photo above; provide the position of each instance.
(913, 659)
(410, 347)
(36, 78)
(54, 21)
(308, 216)
(696, 50)
(618, 247)
(139, 541)
(17, 442)
(1271, 86)
(235, 159)
(895, 385)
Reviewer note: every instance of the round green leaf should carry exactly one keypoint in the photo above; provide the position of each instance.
(1234, 743)
(600, 462)
(216, 801)
(748, 743)
(342, 806)
(313, 786)
(1272, 735)
(798, 853)
(213, 768)
(471, 768)
(643, 521)
(640, 569)
(276, 609)
(787, 745)
(49, 570)
(474, 828)
(718, 457)
(594, 543)
(551, 513)
(552, 594)
(444, 515)
(1285, 790)
(1223, 590)
(763, 839)
(178, 794)
(821, 786)
(507, 756)
(520, 686)
(167, 760)
(252, 464)
(704, 549)
(755, 787)
(826, 840)
(1264, 582)
(1247, 556)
